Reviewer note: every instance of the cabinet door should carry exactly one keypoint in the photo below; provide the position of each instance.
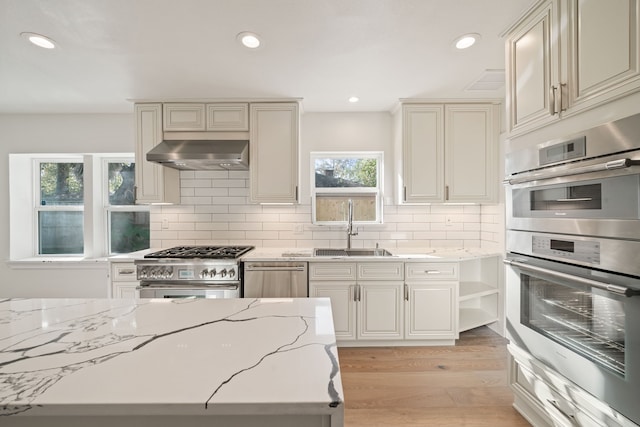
(343, 305)
(430, 311)
(125, 290)
(603, 43)
(228, 117)
(154, 183)
(533, 68)
(380, 310)
(179, 117)
(423, 153)
(274, 153)
(471, 150)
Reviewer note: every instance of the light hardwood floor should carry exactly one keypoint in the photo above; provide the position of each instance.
(453, 386)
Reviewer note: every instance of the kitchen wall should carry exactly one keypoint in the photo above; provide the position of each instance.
(215, 205)
(55, 133)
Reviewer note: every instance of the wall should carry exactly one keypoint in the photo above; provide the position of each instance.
(214, 206)
(55, 133)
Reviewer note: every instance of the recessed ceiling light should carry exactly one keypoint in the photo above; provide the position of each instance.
(248, 39)
(466, 41)
(353, 99)
(39, 40)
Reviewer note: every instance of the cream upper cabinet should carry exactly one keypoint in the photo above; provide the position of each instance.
(184, 117)
(423, 153)
(273, 152)
(154, 183)
(566, 56)
(223, 116)
(532, 68)
(228, 117)
(449, 152)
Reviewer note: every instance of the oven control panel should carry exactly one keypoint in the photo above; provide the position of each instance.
(587, 251)
(194, 271)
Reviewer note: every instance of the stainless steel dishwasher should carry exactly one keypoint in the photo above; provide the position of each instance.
(275, 279)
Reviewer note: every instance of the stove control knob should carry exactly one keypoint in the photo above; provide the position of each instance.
(143, 273)
(213, 273)
(204, 274)
(232, 273)
(223, 272)
(167, 272)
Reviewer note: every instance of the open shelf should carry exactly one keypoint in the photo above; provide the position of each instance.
(473, 317)
(470, 290)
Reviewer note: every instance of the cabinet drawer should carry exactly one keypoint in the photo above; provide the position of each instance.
(431, 271)
(380, 271)
(123, 272)
(332, 271)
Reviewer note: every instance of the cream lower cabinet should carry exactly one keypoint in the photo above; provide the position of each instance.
(366, 298)
(123, 280)
(431, 297)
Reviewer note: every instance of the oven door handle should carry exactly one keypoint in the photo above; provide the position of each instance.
(616, 289)
(536, 176)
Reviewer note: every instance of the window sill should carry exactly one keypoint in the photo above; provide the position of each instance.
(58, 262)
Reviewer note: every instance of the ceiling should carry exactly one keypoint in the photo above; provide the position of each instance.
(323, 51)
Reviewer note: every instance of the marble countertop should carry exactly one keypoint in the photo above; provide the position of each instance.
(168, 357)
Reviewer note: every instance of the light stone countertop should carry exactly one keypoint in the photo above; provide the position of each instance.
(398, 254)
(168, 357)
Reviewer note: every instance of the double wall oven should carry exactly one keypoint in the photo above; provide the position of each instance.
(573, 259)
(192, 272)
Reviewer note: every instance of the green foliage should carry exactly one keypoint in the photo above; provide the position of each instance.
(346, 172)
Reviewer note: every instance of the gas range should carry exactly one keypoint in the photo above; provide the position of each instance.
(192, 269)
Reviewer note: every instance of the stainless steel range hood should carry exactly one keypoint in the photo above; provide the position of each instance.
(201, 154)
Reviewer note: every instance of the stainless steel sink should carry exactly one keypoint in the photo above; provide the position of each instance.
(351, 252)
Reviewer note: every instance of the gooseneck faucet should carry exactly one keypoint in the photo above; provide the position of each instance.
(350, 231)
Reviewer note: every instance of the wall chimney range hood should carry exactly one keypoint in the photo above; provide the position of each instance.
(201, 154)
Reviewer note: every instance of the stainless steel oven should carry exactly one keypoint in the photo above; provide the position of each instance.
(192, 272)
(573, 259)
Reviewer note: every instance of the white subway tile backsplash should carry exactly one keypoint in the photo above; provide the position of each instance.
(209, 192)
(214, 209)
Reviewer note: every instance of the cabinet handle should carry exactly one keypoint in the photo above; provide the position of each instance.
(297, 200)
(562, 96)
(570, 418)
(405, 194)
(446, 192)
(126, 271)
(432, 271)
(552, 101)
(406, 292)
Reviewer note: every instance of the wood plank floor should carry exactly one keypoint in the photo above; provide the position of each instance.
(453, 386)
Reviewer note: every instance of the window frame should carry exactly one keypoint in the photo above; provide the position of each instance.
(38, 207)
(377, 191)
(24, 204)
(107, 207)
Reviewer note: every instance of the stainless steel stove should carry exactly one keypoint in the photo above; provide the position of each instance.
(192, 271)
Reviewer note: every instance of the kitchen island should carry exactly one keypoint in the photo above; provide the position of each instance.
(187, 362)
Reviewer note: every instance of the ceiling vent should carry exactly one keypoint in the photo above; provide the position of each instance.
(489, 80)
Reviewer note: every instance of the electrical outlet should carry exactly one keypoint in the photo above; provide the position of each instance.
(448, 221)
(298, 229)
(165, 223)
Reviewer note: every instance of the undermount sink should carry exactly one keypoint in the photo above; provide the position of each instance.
(351, 252)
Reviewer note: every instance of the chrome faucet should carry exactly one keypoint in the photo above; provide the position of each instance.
(350, 231)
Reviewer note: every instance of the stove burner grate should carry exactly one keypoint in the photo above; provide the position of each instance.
(212, 252)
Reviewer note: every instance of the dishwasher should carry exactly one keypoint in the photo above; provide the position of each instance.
(275, 279)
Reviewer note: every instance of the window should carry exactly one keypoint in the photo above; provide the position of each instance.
(127, 223)
(60, 207)
(74, 206)
(339, 177)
